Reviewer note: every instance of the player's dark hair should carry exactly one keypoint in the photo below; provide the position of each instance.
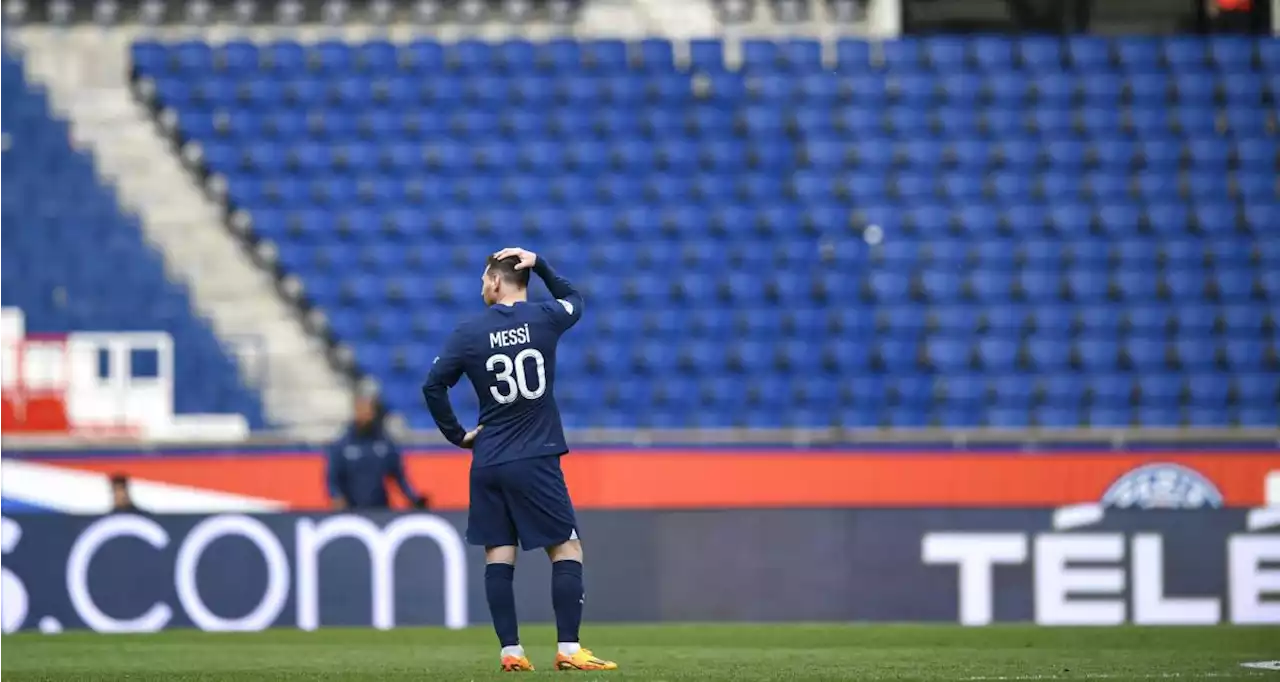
(506, 269)
(119, 479)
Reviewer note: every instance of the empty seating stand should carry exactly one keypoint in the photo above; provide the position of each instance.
(74, 262)
(945, 231)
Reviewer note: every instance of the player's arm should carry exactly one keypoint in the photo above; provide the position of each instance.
(567, 309)
(444, 375)
(334, 476)
(396, 464)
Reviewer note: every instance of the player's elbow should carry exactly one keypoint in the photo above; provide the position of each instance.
(572, 304)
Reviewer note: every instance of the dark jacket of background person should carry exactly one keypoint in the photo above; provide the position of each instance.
(361, 461)
(121, 499)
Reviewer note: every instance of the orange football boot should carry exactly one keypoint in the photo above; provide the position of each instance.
(583, 660)
(516, 664)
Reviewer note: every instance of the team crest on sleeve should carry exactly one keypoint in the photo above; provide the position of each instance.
(1163, 486)
(568, 307)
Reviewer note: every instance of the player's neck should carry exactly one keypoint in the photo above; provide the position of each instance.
(512, 299)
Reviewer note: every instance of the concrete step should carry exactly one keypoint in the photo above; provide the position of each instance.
(85, 74)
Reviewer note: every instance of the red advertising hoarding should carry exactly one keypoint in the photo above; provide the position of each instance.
(694, 479)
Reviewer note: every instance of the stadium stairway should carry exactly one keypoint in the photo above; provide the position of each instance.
(73, 261)
(677, 19)
(86, 73)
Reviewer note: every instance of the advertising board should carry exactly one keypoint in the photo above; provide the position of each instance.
(729, 478)
(1079, 566)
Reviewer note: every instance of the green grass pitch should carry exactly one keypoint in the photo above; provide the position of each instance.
(658, 653)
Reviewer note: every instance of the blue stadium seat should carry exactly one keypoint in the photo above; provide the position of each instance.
(1231, 54)
(706, 54)
(1052, 417)
(1139, 54)
(993, 54)
(1085, 210)
(1185, 54)
(74, 261)
(903, 55)
(1109, 416)
(1041, 53)
(1089, 54)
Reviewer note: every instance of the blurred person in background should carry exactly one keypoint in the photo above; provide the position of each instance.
(361, 461)
(121, 501)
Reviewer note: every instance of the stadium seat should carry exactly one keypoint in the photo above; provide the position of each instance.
(75, 262)
(1088, 211)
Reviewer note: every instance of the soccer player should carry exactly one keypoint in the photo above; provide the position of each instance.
(518, 493)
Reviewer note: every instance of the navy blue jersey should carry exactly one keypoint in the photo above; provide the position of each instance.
(509, 354)
(359, 465)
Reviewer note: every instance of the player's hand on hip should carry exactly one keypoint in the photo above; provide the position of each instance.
(469, 440)
(527, 258)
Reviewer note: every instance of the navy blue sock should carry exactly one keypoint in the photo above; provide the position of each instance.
(566, 597)
(499, 589)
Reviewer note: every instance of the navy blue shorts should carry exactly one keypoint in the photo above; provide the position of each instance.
(522, 502)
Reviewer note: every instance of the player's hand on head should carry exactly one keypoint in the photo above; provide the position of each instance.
(527, 258)
(469, 440)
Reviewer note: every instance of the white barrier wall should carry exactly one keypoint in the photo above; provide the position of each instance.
(111, 383)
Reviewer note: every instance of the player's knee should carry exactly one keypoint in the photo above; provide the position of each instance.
(500, 554)
(569, 550)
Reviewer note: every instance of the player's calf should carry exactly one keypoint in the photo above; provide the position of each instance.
(567, 596)
(567, 593)
(499, 574)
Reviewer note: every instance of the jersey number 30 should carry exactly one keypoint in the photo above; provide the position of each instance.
(512, 373)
